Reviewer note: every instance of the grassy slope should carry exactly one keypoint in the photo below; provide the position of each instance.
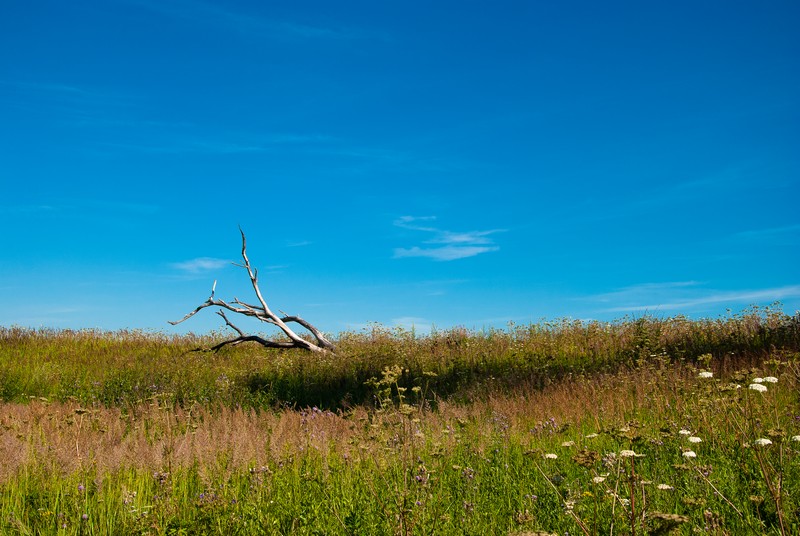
(142, 436)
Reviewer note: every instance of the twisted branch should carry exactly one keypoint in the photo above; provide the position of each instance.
(263, 313)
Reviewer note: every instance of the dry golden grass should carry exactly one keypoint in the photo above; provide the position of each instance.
(68, 438)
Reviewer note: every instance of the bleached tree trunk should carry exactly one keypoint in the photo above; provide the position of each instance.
(262, 312)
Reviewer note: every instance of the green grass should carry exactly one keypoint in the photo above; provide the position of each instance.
(561, 427)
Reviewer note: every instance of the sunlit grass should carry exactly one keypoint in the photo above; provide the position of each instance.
(457, 433)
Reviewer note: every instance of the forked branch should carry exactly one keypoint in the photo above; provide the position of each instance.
(263, 313)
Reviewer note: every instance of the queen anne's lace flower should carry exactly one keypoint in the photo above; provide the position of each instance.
(762, 442)
(550, 456)
(757, 387)
(690, 454)
(706, 374)
(695, 439)
(771, 379)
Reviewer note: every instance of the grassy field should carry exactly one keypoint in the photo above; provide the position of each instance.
(640, 426)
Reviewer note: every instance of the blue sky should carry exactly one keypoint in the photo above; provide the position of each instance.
(407, 163)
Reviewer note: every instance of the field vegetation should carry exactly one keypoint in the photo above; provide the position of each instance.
(640, 426)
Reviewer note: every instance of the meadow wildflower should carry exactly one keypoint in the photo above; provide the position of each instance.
(796, 438)
(689, 454)
(771, 379)
(630, 454)
(665, 487)
(757, 387)
(762, 442)
(758, 380)
(598, 479)
(550, 456)
(706, 374)
(590, 436)
(684, 431)
(568, 444)
(695, 439)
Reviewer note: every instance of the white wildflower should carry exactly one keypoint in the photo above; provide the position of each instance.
(706, 374)
(591, 436)
(550, 456)
(684, 431)
(665, 487)
(598, 479)
(568, 444)
(762, 442)
(771, 379)
(757, 387)
(690, 454)
(694, 439)
(758, 380)
(796, 438)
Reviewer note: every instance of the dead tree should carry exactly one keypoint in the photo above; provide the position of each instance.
(263, 313)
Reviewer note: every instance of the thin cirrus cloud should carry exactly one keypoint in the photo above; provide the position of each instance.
(200, 265)
(448, 245)
(246, 23)
(646, 297)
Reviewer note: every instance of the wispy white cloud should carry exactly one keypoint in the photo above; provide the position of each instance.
(416, 323)
(451, 245)
(787, 234)
(253, 24)
(643, 291)
(200, 264)
(670, 297)
(299, 243)
(180, 144)
(445, 253)
(72, 207)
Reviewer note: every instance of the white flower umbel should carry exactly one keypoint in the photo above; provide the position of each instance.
(665, 487)
(762, 442)
(689, 454)
(758, 387)
(796, 438)
(550, 456)
(706, 374)
(627, 453)
(694, 439)
(771, 379)
(598, 479)
(758, 380)
(684, 431)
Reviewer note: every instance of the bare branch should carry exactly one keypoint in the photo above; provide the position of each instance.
(263, 313)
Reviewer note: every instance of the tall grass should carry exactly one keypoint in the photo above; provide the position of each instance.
(598, 455)
(129, 367)
(641, 426)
